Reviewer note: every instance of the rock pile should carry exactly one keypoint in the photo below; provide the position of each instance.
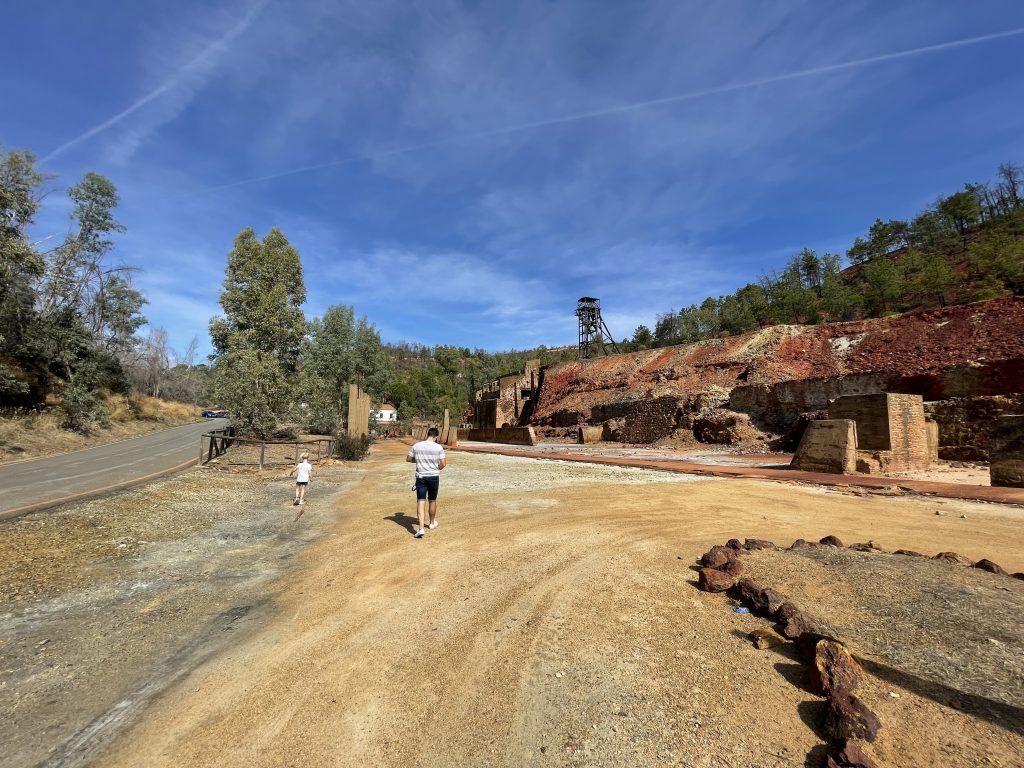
(833, 672)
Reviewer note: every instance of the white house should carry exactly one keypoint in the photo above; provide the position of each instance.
(387, 412)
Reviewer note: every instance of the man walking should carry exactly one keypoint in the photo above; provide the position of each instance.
(428, 456)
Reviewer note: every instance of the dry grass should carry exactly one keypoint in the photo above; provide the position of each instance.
(33, 434)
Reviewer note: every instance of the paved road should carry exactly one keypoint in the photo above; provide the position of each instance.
(30, 485)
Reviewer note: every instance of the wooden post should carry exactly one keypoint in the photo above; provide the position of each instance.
(263, 447)
(200, 451)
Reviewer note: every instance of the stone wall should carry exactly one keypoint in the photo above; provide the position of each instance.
(650, 420)
(965, 423)
(510, 435)
(779, 405)
(1007, 467)
(829, 445)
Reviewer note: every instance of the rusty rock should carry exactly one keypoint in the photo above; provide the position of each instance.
(807, 643)
(787, 611)
(867, 546)
(850, 755)
(987, 565)
(1019, 575)
(733, 568)
(794, 623)
(831, 541)
(849, 718)
(737, 545)
(834, 669)
(952, 557)
(758, 544)
(763, 600)
(712, 580)
(801, 544)
(717, 556)
(765, 638)
(908, 552)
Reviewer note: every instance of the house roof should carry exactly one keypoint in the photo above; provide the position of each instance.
(387, 407)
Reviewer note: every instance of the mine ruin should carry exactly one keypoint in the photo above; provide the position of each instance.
(870, 397)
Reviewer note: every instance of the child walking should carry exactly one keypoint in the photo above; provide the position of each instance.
(303, 474)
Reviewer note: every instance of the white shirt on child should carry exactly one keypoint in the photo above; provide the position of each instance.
(302, 470)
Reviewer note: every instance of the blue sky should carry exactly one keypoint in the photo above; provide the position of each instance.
(461, 172)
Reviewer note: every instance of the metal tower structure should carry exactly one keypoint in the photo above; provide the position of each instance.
(593, 331)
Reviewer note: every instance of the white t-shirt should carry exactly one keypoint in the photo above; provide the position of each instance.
(302, 470)
(428, 456)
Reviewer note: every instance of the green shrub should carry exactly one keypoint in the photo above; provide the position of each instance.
(352, 448)
(83, 411)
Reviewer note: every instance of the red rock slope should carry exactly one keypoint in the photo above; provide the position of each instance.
(966, 350)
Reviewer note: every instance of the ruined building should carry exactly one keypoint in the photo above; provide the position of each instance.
(506, 401)
(964, 364)
(870, 434)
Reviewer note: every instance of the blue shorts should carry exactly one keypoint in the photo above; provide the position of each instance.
(426, 488)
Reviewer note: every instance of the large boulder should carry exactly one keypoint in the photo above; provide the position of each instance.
(834, 669)
(848, 717)
(850, 754)
(713, 580)
(953, 558)
(763, 600)
(717, 556)
(987, 565)
(726, 427)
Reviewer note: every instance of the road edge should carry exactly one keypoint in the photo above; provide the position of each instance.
(26, 509)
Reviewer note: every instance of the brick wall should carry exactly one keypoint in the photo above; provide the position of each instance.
(908, 433)
(871, 413)
(888, 422)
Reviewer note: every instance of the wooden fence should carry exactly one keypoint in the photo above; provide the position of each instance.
(260, 453)
(214, 444)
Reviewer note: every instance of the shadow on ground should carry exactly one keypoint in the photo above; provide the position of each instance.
(406, 521)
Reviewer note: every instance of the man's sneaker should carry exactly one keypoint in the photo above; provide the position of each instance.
(433, 525)
(302, 501)
(419, 533)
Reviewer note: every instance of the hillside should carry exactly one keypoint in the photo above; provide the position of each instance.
(775, 374)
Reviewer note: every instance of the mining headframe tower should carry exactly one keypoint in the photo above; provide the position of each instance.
(593, 330)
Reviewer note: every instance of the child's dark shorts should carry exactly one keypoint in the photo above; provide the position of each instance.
(426, 488)
(301, 482)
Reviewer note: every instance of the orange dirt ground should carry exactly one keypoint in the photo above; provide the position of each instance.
(551, 619)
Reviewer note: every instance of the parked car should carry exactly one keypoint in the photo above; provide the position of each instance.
(215, 414)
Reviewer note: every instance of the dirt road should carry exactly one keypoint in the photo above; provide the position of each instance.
(549, 620)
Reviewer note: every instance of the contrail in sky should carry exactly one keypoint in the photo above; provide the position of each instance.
(208, 56)
(638, 105)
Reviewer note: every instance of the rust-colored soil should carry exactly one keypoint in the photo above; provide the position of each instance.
(973, 349)
(551, 619)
